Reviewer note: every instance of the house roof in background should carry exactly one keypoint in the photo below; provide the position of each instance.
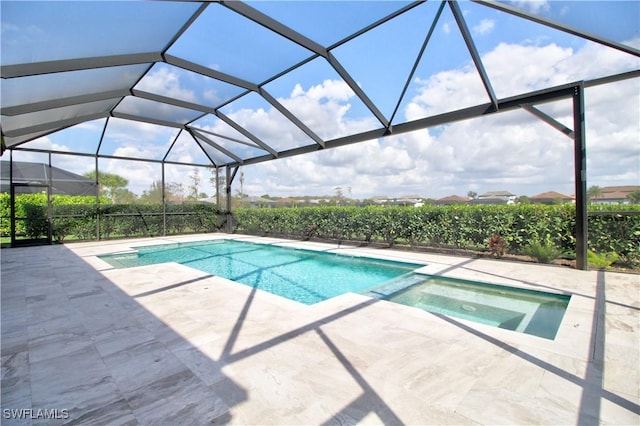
(455, 198)
(551, 195)
(625, 189)
(493, 194)
(62, 181)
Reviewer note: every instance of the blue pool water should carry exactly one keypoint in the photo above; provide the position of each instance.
(311, 276)
(302, 275)
(526, 311)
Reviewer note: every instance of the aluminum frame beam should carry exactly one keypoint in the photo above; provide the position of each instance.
(549, 120)
(342, 72)
(612, 78)
(175, 139)
(65, 65)
(218, 135)
(204, 151)
(247, 134)
(580, 176)
(546, 95)
(63, 102)
(208, 72)
(150, 120)
(108, 156)
(216, 146)
(54, 125)
(468, 39)
(504, 105)
(416, 63)
(287, 32)
(377, 23)
(275, 26)
(292, 118)
(558, 26)
(172, 101)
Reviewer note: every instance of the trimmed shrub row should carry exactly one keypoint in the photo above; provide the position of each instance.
(459, 226)
(77, 218)
(133, 220)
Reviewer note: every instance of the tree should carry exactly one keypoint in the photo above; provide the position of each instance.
(523, 199)
(634, 197)
(174, 191)
(219, 184)
(339, 195)
(154, 194)
(240, 192)
(472, 194)
(195, 184)
(594, 192)
(124, 196)
(111, 185)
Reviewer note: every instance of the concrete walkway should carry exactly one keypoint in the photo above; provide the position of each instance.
(167, 344)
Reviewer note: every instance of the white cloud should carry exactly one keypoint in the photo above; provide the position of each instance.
(516, 69)
(212, 96)
(513, 151)
(324, 108)
(166, 83)
(484, 27)
(137, 139)
(47, 144)
(140, 174)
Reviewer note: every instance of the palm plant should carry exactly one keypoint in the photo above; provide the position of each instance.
(543, 252)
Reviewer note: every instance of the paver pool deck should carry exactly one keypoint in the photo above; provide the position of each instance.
(167, 344)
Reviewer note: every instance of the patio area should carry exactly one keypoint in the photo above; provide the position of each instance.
(167, 344)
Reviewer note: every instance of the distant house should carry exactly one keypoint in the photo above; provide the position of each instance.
(409, 200)
(551, 197)
(286, 202)
(452, 199)
(615, 194)
(495, 197)
(382, 199)
(254, 201)
(405, 200)
(62, 181)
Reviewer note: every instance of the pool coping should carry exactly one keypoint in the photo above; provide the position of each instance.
(578, 309)
(258, 358)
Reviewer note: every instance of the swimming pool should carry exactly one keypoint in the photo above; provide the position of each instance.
(305, 276)
(526, 311)
(310, 276)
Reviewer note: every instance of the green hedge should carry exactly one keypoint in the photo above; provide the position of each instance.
(458, 226)
(134, 220)
(76, 217)
(31, 205)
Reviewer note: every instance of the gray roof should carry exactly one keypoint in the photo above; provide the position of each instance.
(62, 181)
(493, 194)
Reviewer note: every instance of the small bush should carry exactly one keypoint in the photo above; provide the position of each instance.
(37, 224)
(601, 260)
(543, 252)
(497, 246)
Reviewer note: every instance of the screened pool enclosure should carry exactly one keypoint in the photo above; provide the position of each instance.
(167, 86)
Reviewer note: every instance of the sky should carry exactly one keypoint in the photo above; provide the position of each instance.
(513, 151)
